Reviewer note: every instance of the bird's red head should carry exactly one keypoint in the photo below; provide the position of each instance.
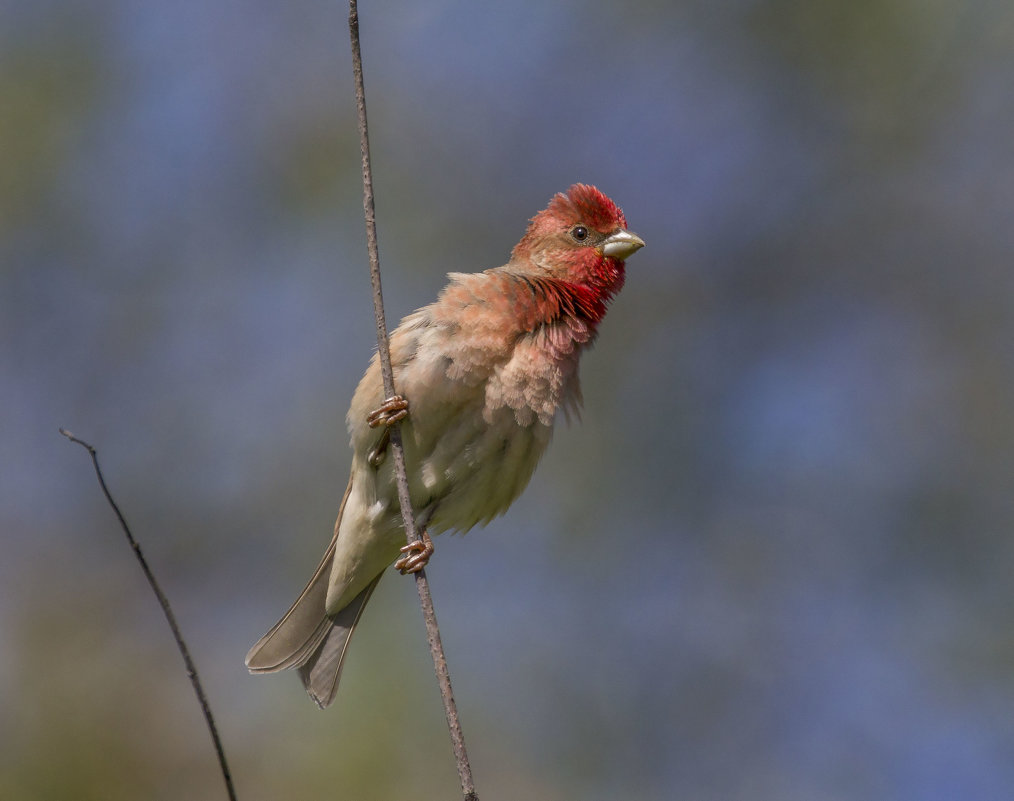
(580, 241)
(586, 204)
(582, 205)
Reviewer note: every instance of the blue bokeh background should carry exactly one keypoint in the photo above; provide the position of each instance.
(774, 560)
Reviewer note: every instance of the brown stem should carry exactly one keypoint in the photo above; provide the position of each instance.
(169, 616)
(383, 344)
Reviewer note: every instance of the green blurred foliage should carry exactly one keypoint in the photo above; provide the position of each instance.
(46, 94)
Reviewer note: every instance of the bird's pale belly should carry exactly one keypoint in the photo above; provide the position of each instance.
(468, 480)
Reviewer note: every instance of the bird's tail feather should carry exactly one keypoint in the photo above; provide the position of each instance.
(321, 671)
(307, 638)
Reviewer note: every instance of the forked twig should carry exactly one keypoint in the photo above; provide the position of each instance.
(169, 616)
(422, 584)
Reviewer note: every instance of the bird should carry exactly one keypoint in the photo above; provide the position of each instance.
(482, 375)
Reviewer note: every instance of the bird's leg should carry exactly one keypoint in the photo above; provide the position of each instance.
(417, 555)
(376, 454)
(389, 412)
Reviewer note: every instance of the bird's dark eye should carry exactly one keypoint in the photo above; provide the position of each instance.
(579, 232)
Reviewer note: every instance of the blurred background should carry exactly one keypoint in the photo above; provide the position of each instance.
(774, 561)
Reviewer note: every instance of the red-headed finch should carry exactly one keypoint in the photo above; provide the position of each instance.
(484, 371)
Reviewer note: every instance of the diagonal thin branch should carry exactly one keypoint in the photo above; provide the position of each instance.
(383, 343)
(169, 616)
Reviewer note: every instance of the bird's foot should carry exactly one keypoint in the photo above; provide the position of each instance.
(389, 412)
(417, 555)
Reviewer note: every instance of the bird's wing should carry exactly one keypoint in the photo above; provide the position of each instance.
(295, 638)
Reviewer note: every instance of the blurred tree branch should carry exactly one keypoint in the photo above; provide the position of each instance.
(169, 616)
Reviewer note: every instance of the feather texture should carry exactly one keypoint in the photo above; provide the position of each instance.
(486, 369)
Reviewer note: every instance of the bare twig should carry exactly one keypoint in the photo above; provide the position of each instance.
(170, 618)
(422, 584)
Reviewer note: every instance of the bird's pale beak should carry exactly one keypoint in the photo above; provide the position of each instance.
(622, 244)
